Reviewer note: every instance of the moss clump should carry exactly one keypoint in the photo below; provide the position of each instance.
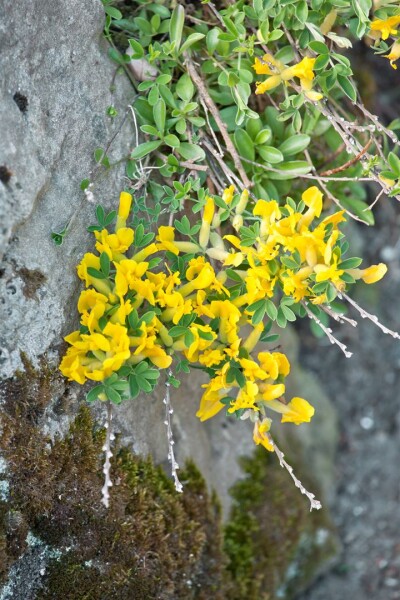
(150, 543)
(272, 539)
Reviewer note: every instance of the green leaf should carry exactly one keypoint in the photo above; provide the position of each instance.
(133, 386)
(172, 141)
(185, 88)
(192, 39)
(93, 394)
(258, 315)
(347, 87)
(359, 208)
(84, 184)
(159, 114)
(270, 154)
(144, 149)
(95, 273)
(147, 318)
(113, 12)
(191, 151)
(291, 169)
(244, 144)
(350, 263)
(394, 162)
(143, 384)
(271, 309)
(318, 47)
(105, 264)
(295, 144)
(113, 395)
(137, 49)
(177, 331)
(176, 25)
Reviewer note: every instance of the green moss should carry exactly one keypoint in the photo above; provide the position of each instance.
(272, 539)
(152, 542)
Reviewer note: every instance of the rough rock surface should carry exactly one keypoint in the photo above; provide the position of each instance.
(55, 90)
(54, 94)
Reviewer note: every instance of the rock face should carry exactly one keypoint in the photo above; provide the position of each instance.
(55, 90)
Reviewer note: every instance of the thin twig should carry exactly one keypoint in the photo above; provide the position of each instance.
(108, 454)
(171, 456)
(281, 457)
(327, 331)
(198, 81)
(230, 175)
(211, 129)
(366, 315)
(339, 317)
(350, 162)
(329, 193)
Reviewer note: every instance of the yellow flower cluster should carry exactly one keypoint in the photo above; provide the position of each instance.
(383, 29)
(280, 73)
(207, 317)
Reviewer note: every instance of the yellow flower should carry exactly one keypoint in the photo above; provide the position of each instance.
(114, 244)
(262, 67)
(128, 272)
(304, 71)
(246, 397)
(386, 27)
(312, 198)
(166, 237)
(394, 54)
(283, 363)
(209, 358)
(252, 370)
(296, 284)
(72, 367)
(228, 193)
(93, 261)
(280, 73)
(216, 389)
(253, 337)
(269, 365)
(374, 273)
(298, 411)
(330, 273)
(271, 392)
(260, 436)
(88, 299)
(125, 202)
(204, 336)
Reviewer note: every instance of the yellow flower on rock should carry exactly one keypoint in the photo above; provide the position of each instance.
(125, 203)
(114, 244)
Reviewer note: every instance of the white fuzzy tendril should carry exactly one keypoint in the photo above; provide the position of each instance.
(107, 462)
(366, 315)
(328, 332)
(339, 317)
(171, 456)
(281, 457)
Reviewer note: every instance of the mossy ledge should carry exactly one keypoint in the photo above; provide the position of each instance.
(152, 543)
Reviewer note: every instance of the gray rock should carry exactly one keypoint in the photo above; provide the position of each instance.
(55, 90)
